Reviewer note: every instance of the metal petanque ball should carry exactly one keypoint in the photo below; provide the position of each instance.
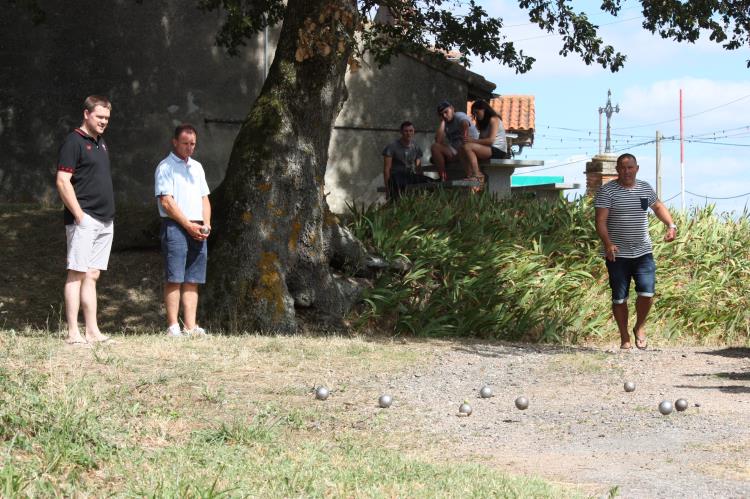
(385, 401)
(485, 392)
(629, 386)
(204, 230)
(665, 407)
(680, 404)
(522, 403)
(321, 393)
(465, 409)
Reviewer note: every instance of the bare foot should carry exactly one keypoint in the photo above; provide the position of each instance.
(640, 340)
(78, 341)
(96, 337)
(74, 338)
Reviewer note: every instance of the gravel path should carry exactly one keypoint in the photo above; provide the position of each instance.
(582, 428)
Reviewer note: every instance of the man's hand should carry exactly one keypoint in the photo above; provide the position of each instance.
(194, 230)
(671, 234)
(610, 251)
(443, 174)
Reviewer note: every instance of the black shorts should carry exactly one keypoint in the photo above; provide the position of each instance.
(498, 154)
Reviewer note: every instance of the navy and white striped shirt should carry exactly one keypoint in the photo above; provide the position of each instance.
(627, 222)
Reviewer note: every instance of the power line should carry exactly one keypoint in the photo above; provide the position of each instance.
(696, 135)
(717, 143)
(687, 116)
(551, 167)
(715, 197)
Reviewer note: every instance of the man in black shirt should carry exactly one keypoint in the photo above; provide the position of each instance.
(84, 182)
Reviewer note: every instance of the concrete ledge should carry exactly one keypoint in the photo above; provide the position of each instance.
(560, 186)
(510, 163)
(448, 184)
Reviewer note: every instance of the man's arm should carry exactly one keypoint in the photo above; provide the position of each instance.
(440, 133)
(175, 213)
(207, 213)
(465, 124)
(662, 213)
(68, 195)
(387, 163)
(610, 249)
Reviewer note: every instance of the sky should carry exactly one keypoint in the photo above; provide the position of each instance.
(715, 84)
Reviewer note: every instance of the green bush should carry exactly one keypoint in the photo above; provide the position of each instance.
(530, 269)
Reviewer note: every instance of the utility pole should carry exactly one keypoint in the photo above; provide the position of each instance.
(658, 164)
(608, 111)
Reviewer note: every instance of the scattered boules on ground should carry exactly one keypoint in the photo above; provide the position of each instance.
(385, 401)
(629, 386)
(321, 393)
(464, 409)
(485, 392)
(522, 403)
(665, 407)
(681, 404)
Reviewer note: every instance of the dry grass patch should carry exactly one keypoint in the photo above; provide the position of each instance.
(218, 416)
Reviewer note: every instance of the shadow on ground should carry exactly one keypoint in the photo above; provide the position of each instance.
(33, 258)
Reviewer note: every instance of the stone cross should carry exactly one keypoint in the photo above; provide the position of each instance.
(608, 110)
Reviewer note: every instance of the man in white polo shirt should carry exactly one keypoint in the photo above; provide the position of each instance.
(185, 211)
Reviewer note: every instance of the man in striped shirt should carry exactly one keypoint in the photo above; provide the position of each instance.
(622, 224)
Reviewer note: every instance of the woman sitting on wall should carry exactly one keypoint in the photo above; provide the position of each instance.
(490, 144)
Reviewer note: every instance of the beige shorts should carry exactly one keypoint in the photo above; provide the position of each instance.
(89, 244)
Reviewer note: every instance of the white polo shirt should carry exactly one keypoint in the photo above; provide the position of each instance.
(185, 181)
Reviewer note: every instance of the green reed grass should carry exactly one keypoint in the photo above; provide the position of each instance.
(531, 269)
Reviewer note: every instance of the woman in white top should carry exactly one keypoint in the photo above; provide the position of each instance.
(490, 144)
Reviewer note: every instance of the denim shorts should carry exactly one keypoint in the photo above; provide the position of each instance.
(642, 270)
(184, 258)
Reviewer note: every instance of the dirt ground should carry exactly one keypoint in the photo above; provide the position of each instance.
(33, 258)
(581, 427)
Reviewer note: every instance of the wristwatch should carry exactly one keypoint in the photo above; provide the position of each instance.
(673, 226)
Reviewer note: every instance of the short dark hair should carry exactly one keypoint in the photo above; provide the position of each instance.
(405, 124)
(185, 127)
(626, 156)
(443, 106)
(96, 100)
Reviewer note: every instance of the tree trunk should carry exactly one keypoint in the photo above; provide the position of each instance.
(271, 246)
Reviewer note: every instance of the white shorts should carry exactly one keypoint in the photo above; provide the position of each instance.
(89, 244)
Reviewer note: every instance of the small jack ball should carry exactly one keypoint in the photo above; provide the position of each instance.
(629, 386)
(321, 393)
(485, 392)
(385, 401)
(681, 404)
(522, 403)
(665, 407)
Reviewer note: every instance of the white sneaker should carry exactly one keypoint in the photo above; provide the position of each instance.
(173, 331)
(196, 331)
